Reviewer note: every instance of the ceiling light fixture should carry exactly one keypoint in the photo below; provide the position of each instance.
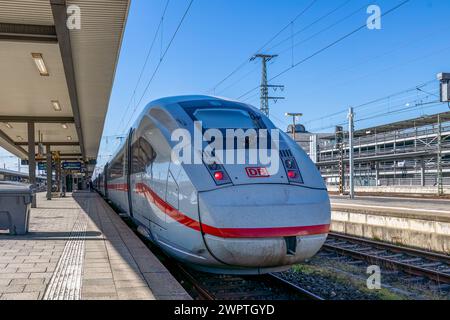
(64, 126)
(20, 138)
(9, 126)
(56, 105)
(69, 138)
(40, 64)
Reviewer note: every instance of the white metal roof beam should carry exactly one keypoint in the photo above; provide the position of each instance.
(59, 11)
(12, 146)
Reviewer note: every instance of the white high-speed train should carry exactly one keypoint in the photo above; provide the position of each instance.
(219, 217)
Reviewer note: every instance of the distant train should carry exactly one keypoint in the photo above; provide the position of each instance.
(22, 177)
(217, 217)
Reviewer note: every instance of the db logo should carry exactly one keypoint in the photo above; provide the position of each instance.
(257, 172)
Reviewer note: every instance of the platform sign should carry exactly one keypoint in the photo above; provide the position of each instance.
(445, 92)
(43, 166)
(71, 166)
(444, 79)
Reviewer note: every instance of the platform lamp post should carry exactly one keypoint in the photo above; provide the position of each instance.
(444, 79)
(294, 115)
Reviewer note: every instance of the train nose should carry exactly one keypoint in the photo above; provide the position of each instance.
(264, 225)
(264, 252)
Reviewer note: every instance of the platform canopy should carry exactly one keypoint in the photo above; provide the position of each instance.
(54, 79)
(405, 124)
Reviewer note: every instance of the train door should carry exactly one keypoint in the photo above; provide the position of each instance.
(160, 172)
(130, 187)
(172, 196)
(105, 180)
(141, 165)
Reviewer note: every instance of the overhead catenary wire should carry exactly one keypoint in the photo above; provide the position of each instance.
(304, 40)
(373, 101)
(332, 44)
(160, 61)
(269, 49)
(417, 102)
(244, 63)
(393, 66)
(318, 33)
(294, 34)
(404, 109)
(404, 44)
(239, 80)
(146, 61)
(406, 102)
(408, 108)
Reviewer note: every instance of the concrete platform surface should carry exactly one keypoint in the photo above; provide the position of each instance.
(426, 209)
(79, 248)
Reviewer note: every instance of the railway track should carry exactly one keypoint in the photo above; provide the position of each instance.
(411, 261)
(232, 287)
(229, 287)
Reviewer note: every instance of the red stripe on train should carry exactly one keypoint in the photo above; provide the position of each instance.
(228, 232)
(118, 187)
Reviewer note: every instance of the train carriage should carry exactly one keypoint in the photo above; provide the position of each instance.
(217, 217)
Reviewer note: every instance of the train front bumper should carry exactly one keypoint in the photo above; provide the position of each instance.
(264, 252)
(263, 226)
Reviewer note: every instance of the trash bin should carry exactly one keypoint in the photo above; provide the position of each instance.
(15, 203)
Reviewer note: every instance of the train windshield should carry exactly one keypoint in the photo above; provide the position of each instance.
(225, 118)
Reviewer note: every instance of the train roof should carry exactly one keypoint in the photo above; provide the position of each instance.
(186, 98)
(164, 102)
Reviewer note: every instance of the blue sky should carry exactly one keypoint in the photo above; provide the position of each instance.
(219, 35)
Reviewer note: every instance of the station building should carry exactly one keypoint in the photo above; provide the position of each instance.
(410, 156)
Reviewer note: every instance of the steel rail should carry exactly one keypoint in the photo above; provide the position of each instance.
(416, 270)
(272, 278)
(306, 293)
(425, 254)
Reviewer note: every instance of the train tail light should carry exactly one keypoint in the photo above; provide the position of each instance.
(292, 174)
(218, 173)
(291, 167)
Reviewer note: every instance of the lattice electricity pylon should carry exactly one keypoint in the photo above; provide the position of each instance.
(264, 85)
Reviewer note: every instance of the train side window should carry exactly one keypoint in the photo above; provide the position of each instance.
(142, 155)
(116, 168)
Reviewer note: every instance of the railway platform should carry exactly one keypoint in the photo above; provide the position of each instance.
(426, 209)
(78, 248)
(420, 223)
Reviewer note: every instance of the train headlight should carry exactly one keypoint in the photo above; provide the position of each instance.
(291, 167)
(213, 166)
(289, 164)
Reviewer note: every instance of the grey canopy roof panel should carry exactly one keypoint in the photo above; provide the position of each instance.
(81, 63)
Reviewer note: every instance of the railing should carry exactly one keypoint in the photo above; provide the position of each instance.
(369, 181)
(400, 150)
(426, 143)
